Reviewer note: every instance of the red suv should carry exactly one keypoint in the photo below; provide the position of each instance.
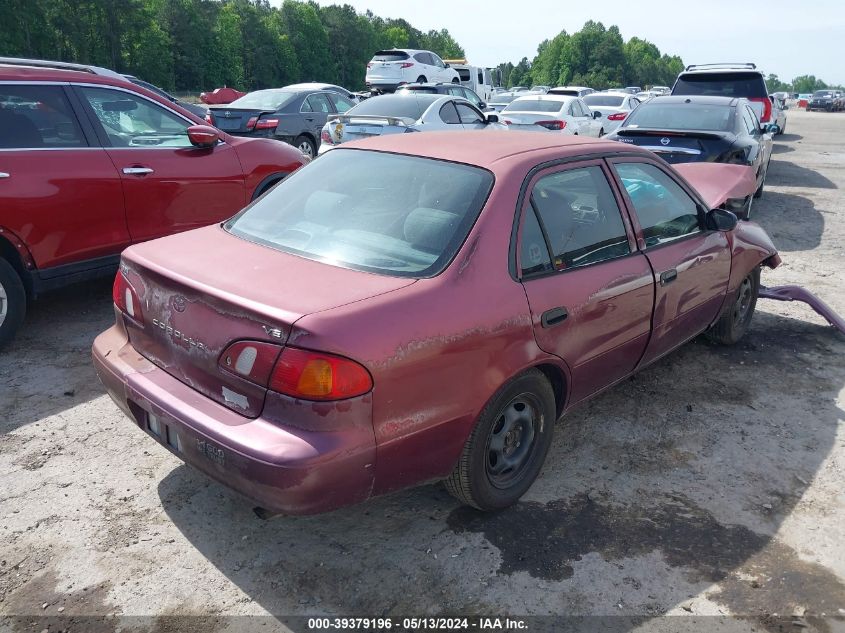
(91, 163)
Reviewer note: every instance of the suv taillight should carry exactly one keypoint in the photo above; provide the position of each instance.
(126, 298)
(312, 375)
(767, 108)
(406, 65)
(619, 116)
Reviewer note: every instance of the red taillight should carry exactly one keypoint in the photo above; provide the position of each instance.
(551, 125)
(406, 65)
(619, 116)
(325, 137)
(252, 360)
(317, 376)
(507, 121)
(126, 298)
(767, 108)
(266, 124)
(209, 119)
(251, 122)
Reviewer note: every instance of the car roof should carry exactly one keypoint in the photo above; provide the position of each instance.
(701, 100)
(314, 85)
(486, 148)
(22, 72)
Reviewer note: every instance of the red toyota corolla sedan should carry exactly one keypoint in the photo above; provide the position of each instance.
(422, 307)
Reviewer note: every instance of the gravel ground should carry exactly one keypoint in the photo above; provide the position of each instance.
(709, 484)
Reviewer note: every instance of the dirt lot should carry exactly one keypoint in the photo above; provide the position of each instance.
(711, 483)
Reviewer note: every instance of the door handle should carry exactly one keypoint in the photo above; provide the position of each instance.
(5, 174)
(554, 316)
(137, 171)
(668, 276)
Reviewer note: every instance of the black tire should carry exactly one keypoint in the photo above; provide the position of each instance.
(745, 213)
(521, 415)
(737, 314)
(759, 192)
(12, 302)
(421, 79)
(455, 80)
(601, 132)
(305, 145)
(783, 129)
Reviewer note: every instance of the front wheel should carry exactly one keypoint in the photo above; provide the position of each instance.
(455, 80)
(12, 302)
(736, 317)
(506, 450)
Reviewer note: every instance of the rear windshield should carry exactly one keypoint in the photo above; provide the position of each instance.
(500, 99)
(681, 116)
(409, 104)
(564, 91)
(390, 56)
(398, 215)
(534, 105)
(604, 100)
(263, 100)
(746, 85)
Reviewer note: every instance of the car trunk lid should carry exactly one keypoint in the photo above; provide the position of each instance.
(203, 290)
(677, 145)
(237, 120)
(353, 128)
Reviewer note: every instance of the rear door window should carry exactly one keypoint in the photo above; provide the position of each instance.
(33, 117)
(665, 211)
(721, 84)
(579, 218)
(318, 103)
(448, 114)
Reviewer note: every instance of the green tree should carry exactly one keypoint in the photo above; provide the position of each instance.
(303, 26)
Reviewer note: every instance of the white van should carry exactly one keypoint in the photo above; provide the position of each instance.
(477, 79)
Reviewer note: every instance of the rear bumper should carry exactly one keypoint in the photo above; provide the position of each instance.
(385, 86)
(278, 460)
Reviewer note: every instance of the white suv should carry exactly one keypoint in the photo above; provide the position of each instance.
(388, 70)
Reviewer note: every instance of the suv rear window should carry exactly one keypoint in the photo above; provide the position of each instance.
(746, 85)
(398, 215)
(390, 56)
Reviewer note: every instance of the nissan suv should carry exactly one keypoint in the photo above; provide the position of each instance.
(91, 163)
(727, 80)
(389, 69)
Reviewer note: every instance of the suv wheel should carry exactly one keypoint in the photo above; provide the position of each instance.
(421, 79)
(12, 302)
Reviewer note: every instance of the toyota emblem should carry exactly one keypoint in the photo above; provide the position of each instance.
(664, 141)
(179, 303)
(227, 114)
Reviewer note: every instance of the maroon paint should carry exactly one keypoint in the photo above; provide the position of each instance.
(437, 348)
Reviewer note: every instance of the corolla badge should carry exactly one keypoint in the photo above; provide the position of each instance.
(664, 141)
(179, 335)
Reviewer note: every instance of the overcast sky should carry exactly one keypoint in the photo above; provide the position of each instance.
(788, 38)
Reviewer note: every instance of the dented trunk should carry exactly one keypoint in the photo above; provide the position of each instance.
(200, 297)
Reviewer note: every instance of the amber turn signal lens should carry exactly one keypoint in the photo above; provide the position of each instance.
(317, 376)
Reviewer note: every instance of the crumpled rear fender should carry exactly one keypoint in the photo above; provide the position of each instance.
(750, 247)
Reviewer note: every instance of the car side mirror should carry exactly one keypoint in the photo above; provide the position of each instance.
(721, 220)
(770, 128)
(482, 105)
(203, 136)
(596, 114)
(447, 65)
(492, 118)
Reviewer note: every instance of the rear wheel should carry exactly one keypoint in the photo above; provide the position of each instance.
(305, 145)
(601, 132)
(736, 317)
(506, 450)
(455, 80)
(12, 302)
(421, 79)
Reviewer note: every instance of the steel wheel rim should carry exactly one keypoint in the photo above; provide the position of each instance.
(305, 148)
(512, 440)
(742, 305)
(4, 304)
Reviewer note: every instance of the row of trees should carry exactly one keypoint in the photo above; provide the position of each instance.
(597, 57)
(190, 45)
(802, 85)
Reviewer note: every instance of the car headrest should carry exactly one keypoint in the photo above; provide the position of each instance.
(430, 229)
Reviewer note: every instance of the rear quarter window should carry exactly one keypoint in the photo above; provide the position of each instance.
(721, 84)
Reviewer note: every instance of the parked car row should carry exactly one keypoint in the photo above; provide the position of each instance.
(827, 100)
(324, 312)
